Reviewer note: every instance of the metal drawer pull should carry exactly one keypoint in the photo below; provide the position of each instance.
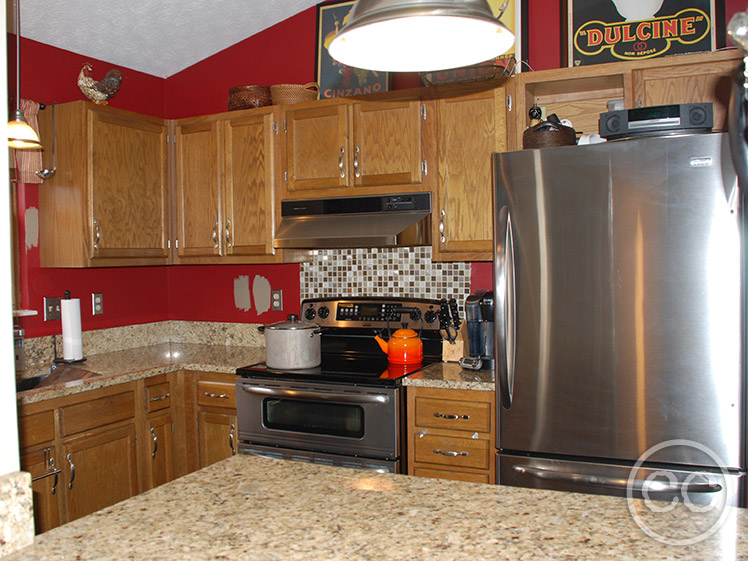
(72, 472)
(443, 416)
(340, 162)
(355, 162)
(155, 443)
(48, 474)
(97, 234)
(161, 397)
(215, 235)
(216, 395)
(449, 452)
(231, 440)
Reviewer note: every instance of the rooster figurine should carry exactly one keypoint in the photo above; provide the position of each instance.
(99, 92)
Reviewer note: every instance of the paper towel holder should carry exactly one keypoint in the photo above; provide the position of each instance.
(60, 360)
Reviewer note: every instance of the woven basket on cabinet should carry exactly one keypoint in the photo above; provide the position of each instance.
(245, 97)
(286, 94)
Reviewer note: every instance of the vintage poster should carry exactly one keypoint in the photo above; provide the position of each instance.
(336, 79)
(616, 30)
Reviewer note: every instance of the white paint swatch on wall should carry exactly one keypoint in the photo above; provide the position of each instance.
(261, 294)
(241, 293)
(32, 227)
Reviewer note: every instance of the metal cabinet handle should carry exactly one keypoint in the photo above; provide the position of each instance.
(341, 162)
(356, 170)
(443, 238)
(155, 443)
(97, 234)
(445, 416)
(449, 453)
(215, 235)
(160, 398)
(216, 395)
(49, 470)
(228, 233)
(72, 472)
(231, 439)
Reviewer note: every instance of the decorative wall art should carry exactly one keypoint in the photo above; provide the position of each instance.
(334, 78)
(615, 30)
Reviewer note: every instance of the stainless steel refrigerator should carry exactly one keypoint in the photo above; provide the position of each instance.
(619, 301)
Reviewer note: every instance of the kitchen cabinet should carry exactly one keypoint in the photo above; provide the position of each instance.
(216, 416)
(472, 125)
(39, 458)
(107, 204)
(226, 167)
(451, 434)
(343, 147)
(158, 447)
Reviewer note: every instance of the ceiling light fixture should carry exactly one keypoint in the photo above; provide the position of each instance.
(419, 35)
(20, 134)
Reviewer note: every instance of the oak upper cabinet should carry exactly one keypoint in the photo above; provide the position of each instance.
(362, 147)
(703, 78)
(471, 127)
(107, 204)
(226, 167)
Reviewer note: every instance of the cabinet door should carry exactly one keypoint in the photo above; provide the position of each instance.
(216, 435)
(99, 469)
(687, 83)
(127, 187)
(317, 147)
(387, 148)
(250, 182)
(198, 161)
(471, 128)
(41, 463)
(160, 440)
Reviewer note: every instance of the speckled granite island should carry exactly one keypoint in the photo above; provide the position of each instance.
(247, 507)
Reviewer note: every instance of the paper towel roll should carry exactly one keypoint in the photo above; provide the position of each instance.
(72, 343)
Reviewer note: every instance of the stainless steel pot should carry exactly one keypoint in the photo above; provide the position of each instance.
(292, 344)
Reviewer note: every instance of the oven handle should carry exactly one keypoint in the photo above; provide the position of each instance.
(346, 398)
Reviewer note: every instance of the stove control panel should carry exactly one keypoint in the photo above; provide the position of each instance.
(372, 312)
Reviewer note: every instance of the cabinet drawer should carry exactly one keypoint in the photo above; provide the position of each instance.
(472, 477)
(96, 412)
(37, 428)
(449, 451)
(453, 414)
(216, 394)
(157, 397)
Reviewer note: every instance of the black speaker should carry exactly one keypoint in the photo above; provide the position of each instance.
(657, 120)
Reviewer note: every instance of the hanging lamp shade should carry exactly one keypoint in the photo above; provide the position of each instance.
(20, 134)
(419, 35)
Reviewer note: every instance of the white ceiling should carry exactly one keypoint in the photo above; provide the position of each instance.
(158, 37)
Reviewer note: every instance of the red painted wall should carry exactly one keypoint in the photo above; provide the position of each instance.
(283, 53)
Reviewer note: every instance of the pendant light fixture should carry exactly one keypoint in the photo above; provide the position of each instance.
(20, 134)
(419, 35)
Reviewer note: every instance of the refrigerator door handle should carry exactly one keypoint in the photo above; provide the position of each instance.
(650, 486)
(504, 309)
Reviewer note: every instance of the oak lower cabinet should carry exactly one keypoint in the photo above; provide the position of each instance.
(39, 457)
(226, 167)
(451, 434)
(158, 448)
(216, 416)
(107, 204)
(472, 125)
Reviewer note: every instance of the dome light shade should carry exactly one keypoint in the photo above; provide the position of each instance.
(419, 35)
(20, 134)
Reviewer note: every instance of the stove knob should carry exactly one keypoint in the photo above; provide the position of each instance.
(309, 314)
(430, 316)
(415, 315)
(324, 311)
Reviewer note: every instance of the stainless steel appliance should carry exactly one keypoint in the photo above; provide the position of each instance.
(479, 316)
(349, 410)
(619, 306)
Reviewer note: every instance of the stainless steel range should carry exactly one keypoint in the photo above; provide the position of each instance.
(348, 411)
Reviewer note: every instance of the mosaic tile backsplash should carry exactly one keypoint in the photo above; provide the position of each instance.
(401, 271)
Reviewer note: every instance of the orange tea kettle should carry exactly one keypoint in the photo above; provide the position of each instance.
(404, 347)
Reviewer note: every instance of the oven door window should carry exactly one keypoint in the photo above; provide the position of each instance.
(313, 417)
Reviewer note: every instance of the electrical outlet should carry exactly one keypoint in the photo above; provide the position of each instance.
(276, 300)
(52, 310)
(97, 303)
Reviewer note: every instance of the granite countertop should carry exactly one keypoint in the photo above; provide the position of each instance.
(248, 507)
(116, 367)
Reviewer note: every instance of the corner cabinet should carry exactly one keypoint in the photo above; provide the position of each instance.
(107, 204)
(226, 167)
(342, 147)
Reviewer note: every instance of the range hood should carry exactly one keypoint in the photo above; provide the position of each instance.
(344, 222)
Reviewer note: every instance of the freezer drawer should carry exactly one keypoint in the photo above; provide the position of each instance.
(610, 479)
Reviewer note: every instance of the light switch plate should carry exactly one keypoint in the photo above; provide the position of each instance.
(52, 310)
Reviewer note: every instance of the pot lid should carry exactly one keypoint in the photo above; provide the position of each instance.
(292, 323)
(404, 334)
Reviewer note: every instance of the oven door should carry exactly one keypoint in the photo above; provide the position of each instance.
(332, 418)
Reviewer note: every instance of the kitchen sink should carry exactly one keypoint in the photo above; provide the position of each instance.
(62, 376)
(29, 383)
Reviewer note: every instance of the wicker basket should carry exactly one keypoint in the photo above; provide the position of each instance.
(286, 94)
(245, 97)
